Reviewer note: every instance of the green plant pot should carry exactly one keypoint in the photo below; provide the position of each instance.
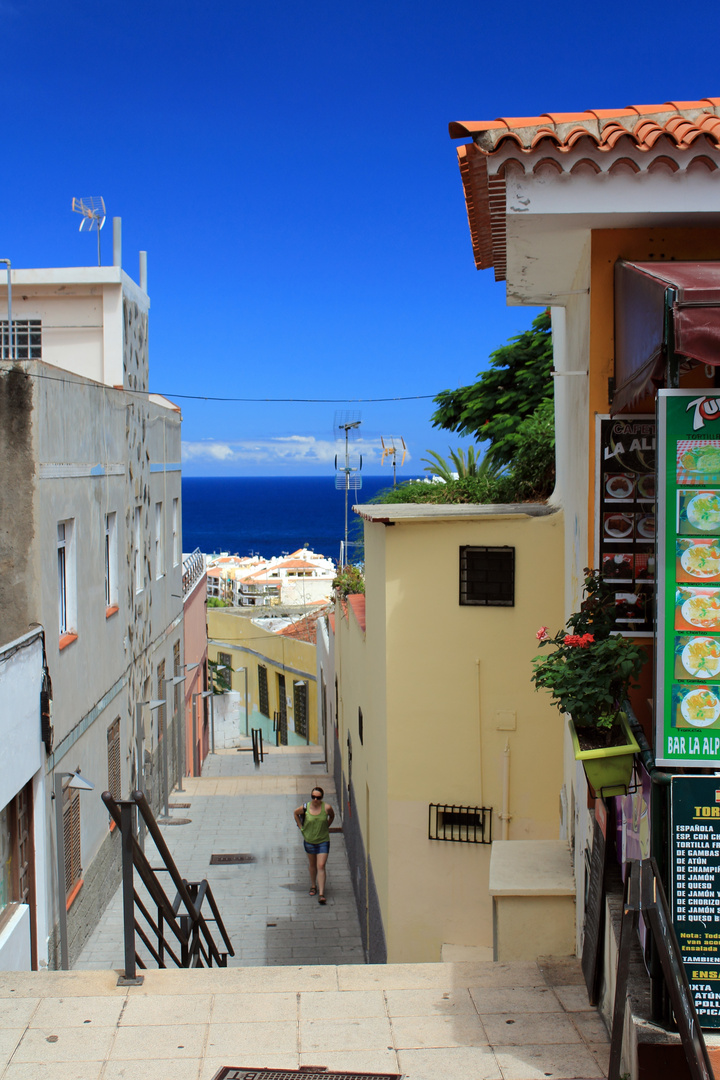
(608, 770)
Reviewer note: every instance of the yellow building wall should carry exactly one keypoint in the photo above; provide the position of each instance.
(250, 646)
(449, 695)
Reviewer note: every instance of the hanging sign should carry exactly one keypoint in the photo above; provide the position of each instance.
(687, 696)
(695, 876)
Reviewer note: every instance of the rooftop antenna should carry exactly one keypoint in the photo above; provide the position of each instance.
(391, 448)
(347, 477)
(92, 209)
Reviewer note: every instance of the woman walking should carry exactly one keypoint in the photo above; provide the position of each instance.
(314, 820)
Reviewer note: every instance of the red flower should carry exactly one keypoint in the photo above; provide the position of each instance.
(578, 641)
(542, 633)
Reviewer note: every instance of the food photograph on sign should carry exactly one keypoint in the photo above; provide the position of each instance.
(698, 461)
(698, 513)
(695, 706)
(697, 656)
(697, 607)
(697, 559)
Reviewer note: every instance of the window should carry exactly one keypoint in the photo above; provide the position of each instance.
(178, 687)
(113, 751)
(223, 673)
(300, 708)
(71, 836)
(176, 531)
(67, 588)
(16, 850)
(111, 584)
(264, 700)
(28, 339)
(138, 553)
(463, 824)
(487, 576)
(159, 546)
(360, 726)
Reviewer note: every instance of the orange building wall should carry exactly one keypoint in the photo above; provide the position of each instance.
(195, 631)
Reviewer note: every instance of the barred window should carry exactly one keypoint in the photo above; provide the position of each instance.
(113, 750)
(300, 708)
(264, 700)
(487, 576)
(28, 339)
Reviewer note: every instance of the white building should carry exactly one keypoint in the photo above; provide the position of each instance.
(90, 547)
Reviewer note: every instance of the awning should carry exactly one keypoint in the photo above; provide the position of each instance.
(651, 299)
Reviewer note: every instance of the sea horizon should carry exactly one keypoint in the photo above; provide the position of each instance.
(272, 515)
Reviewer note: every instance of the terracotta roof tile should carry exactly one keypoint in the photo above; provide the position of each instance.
(640, 138)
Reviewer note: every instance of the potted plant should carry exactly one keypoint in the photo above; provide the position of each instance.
(589, 673)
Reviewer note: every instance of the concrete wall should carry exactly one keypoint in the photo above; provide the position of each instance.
(195, 631)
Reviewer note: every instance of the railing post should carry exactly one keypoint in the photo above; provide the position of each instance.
(127, 822)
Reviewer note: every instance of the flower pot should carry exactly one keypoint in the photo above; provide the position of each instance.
(609, 769)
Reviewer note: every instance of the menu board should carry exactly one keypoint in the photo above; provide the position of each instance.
(688, 560)
(694, 887)
(626, 518)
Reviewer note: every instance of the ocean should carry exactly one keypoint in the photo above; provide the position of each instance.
(271, 514)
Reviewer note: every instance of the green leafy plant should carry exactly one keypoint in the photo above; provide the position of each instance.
(349, 580)
(591, 669)
(470, 466)
(517, 381)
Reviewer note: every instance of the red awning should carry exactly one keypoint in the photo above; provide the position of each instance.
(690, 292)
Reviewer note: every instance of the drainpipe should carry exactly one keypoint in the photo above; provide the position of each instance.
(9, 310)
(505, 814)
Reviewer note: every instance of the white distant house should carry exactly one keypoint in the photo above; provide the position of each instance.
(303, 577)
(91, 554)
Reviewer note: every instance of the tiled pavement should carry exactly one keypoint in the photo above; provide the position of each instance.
(462, 1021)
(270, 918)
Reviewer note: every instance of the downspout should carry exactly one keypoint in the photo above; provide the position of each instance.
(9, 310)
(505, 815)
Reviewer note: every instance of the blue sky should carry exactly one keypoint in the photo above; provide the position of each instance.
(288, 169)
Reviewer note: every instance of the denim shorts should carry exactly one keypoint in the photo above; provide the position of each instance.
(317, 849)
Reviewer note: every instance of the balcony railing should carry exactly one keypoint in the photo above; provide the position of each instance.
(193, 568)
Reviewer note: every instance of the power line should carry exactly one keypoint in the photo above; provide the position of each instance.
(246, 400)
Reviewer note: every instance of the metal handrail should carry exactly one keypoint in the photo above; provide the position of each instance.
(183, 916)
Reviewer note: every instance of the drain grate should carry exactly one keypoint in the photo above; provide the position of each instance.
(174, 821)
(309, 1072)
(179, 805)
(227, 860)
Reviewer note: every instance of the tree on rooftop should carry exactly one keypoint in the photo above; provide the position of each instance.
(492, 409)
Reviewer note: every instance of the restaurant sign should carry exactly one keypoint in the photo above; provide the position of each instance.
(687, 691)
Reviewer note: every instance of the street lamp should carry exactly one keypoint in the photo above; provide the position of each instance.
(175, 681)
(75, 780)
(155, 703)
(196, 756)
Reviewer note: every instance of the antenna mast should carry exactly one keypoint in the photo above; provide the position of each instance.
(391, 449)
(348, 477)
(93, 215)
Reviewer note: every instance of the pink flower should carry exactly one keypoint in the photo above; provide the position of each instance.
(542, 633)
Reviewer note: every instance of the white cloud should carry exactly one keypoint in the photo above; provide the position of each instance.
(290, 448)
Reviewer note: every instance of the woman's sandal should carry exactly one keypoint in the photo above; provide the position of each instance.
(321, 899)
(313, 891)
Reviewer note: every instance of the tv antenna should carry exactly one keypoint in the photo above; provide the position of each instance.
(391, 448)
(92, 209)
(347, 477)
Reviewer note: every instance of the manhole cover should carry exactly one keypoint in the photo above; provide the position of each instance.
(234, 1072)
(224, 860)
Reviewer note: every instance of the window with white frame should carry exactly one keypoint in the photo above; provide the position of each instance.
(111, 573)
(176, 531)
(66, 576)
(27, 340)
(137, 540)
(159, 546)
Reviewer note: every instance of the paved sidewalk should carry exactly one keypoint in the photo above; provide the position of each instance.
(463, 1021)
(236, 808)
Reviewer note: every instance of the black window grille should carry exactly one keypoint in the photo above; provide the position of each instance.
(360, 726)
(487, 576)
(461, 824)
(28, 340)
(300, 709)
(264, 700)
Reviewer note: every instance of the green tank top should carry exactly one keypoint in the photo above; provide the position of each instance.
(316, 829)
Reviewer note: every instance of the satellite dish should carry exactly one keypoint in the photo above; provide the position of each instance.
(92, 209)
